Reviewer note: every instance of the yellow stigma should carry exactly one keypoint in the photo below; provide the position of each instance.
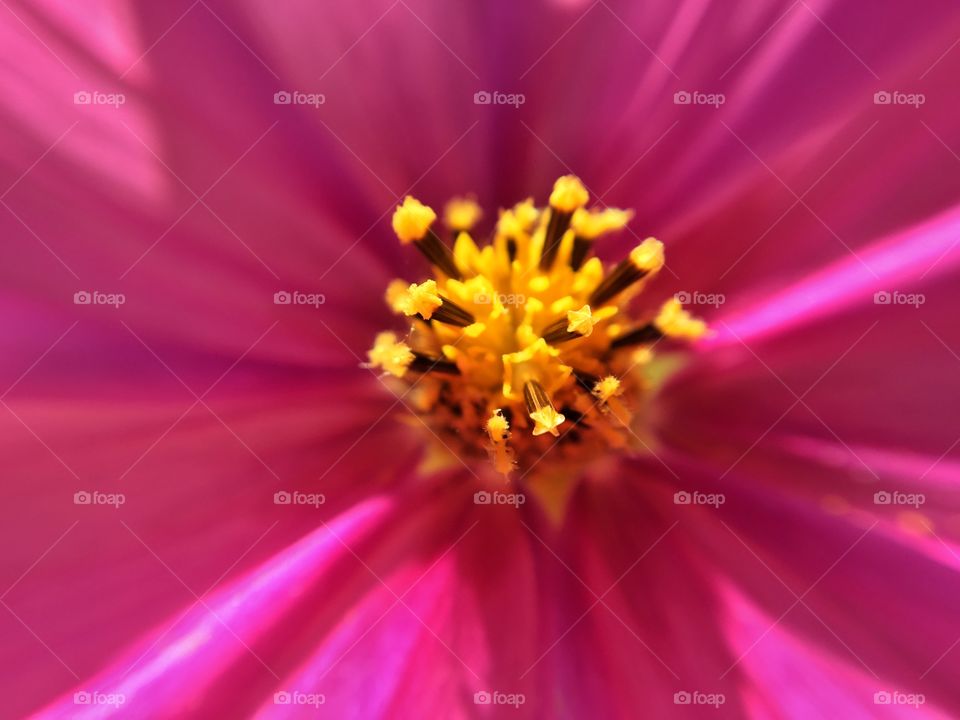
(518, 220)
(674, 321)
(568, 194)
(607, 388)
(591, 225)
(412, 220)
(523, 351)
(392, 356)
(396, 289)
(648, 255)
(420, 299)
(581, 321)
(546, 420)
(461, 214)
(498, 427)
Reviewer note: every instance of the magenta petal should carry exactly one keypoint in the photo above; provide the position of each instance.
(177, 670)
(897, 263)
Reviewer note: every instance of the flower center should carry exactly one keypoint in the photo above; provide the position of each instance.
(521, 349)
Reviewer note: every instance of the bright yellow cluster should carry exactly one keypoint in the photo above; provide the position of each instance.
(521, 346)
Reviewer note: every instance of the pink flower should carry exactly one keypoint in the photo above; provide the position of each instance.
(210, 509)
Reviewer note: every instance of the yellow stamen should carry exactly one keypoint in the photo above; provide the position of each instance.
(591, 225)
(396, 290)
(541, 410)
(461, 214)
(581, 321)
(648, 255)
(644, 260)
(518, 336)
(498, 429)
(674, 321)
(607, 388)
(412, 220)
(518, 220)
(420, 299)
(568, 194)
(390, 354)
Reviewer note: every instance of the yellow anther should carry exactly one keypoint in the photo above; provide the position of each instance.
(537, 360)
(461, 214)
(648, 255)
(422, 299)
(590, 225)
(396, 290)
(607, 388)
(568, 194)
(519, 220)
(412, 220)
(546, 420)
(607, 391)
(498, 428)
(541, 410)
(526, 213)
(675, 322)
(390, 354)
(541, 283)
(581, 321)
(527, 329)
